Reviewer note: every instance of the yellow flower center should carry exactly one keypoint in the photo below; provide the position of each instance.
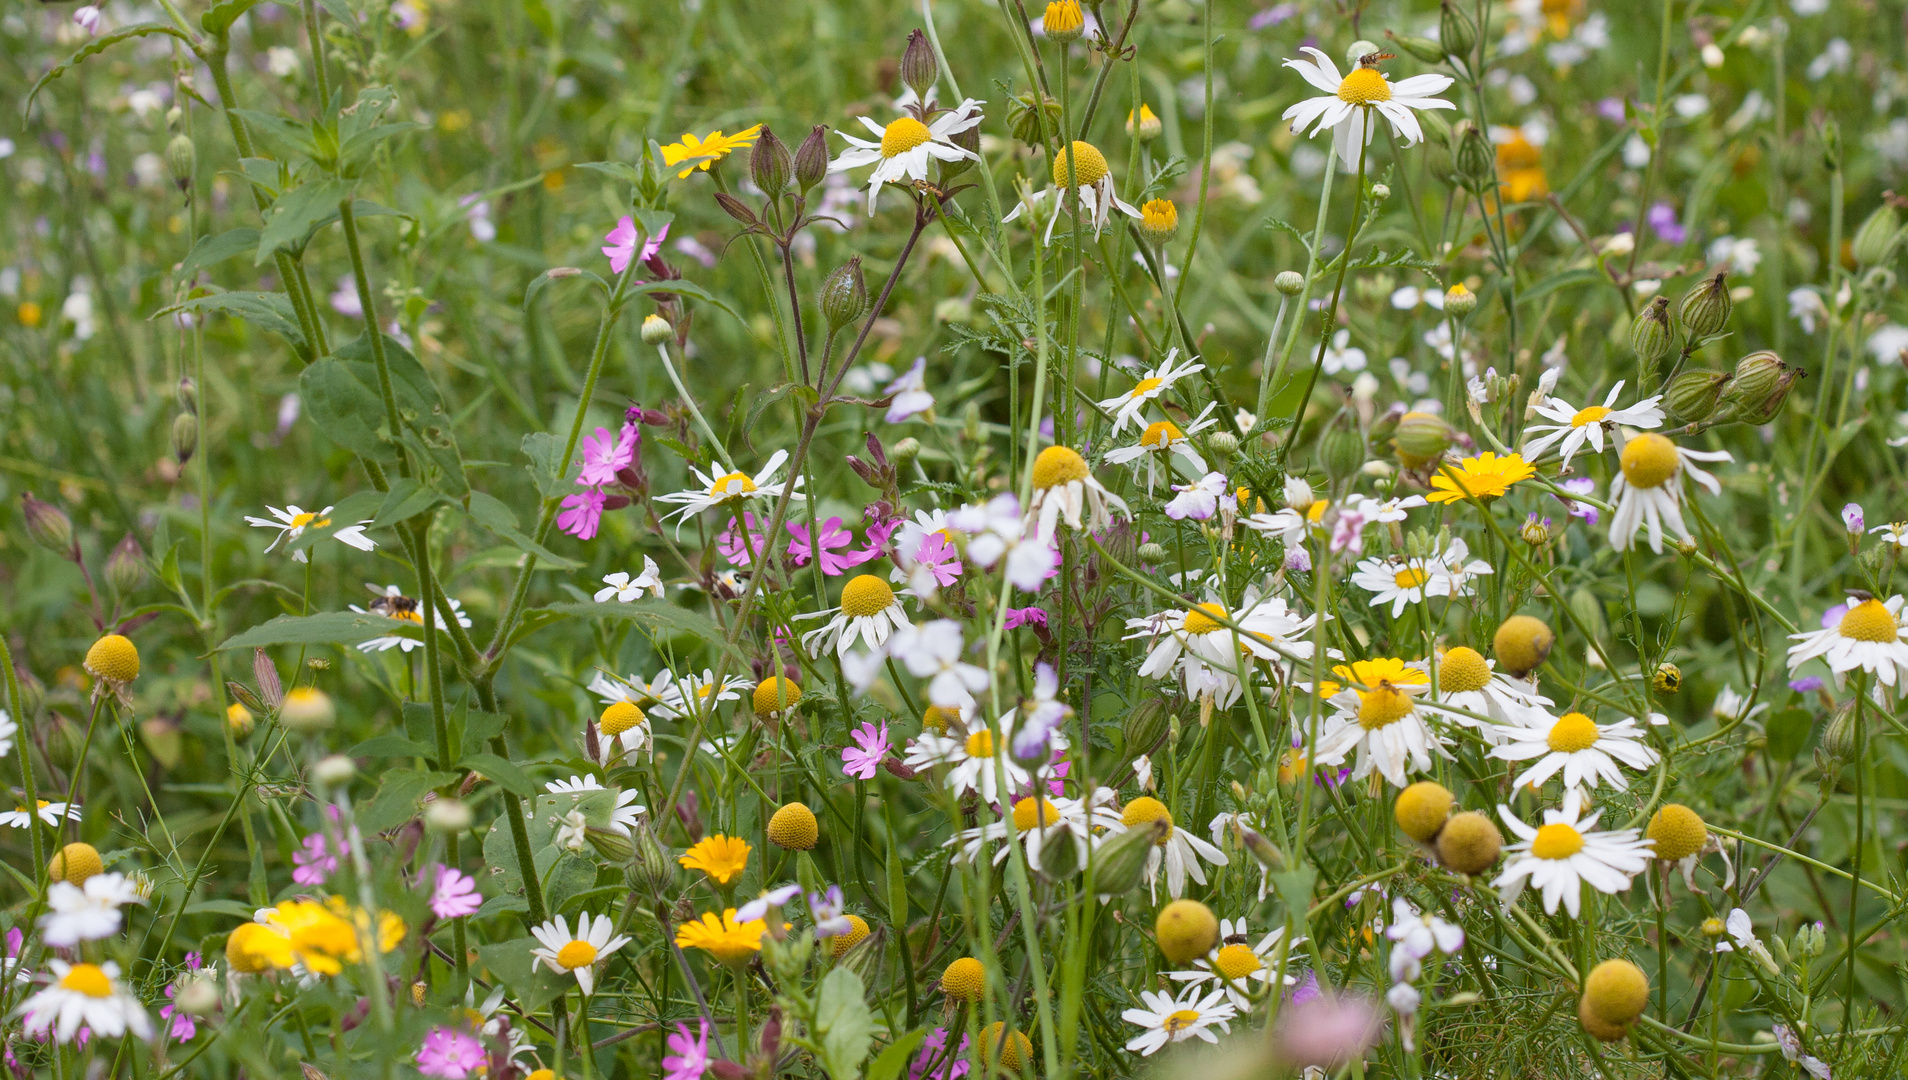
(1145, 387)
(1382, 706)
(1590, 415)
(1410, 578)
(299, 521)
(1678, 831)
(576, 954)
(1064, 17)
(1025, 809)
(1058, 465)
(1200, 620)
(1365, 86)
(980, 744)
(1557, 841)
(1869, 621)
(1315, 513)
(902, 136)
(1712, 927)
(1144, 810)
(938, 717)
(1462, 670)
(113, 658)
(1648, 461)
(1236, 962)
(1572, 732)
(733, 485)
(1181, 1020)
(1159, 215)
(866, 595)
(1089, 166)
(87, 979)
(619, 717)
(1162, 434)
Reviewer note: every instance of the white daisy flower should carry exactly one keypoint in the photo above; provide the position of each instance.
(1162, 438)
(623, 588)
(638, 691)
(1179, 851)
(1167, 1020)
(85, 995)
(1868, 636)
(623, 818)
(693, 694)
(1377, 715)
(49, 812)
(926, 523)
(1349, 101)
(1092, 188)
(1587, 753)
(87, 912)
(1648, 488)
(1574, 427)
(729, 488)
(1130, 407)
(1397, 581)
(1041, 824)
(1243, 970)
(933, 652)
(577, 954)
(870, 610)
(971, 754)
(1467, 681)
(904, 148)
(1564, 854)
(1230, 823)
(393, 604)
(1065, 488)
(291, 523)
(1205, 653)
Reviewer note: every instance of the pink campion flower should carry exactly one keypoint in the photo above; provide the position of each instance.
(862, 763)
(934, 1053)
(451, 1054)
(181, 1028)
(936, 556)
(691, 1057)
(1018, 617)
(87, 18)
(833, 538)
(315, 861)
(1581, 485)
(1348, 532)
(621, 245)
(732, 546)
(604, 456)
(455, 894)
(582, 513)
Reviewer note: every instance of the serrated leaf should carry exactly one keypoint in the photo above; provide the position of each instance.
(292, 140)
(843, 1024)
(542, 450)
(212, 250)
(658, 617)
(406, 499)
(297, 213)
(325, 628)
(96, 46)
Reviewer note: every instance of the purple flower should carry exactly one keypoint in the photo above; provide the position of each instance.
(604, 456)
(1272, 16)
(1581, 485)
(942, 560)
(1611, 109)
(1664, 223)
(691, 1057)
(1807, 684)
(582, 513)
(87, 18)
(621, 245)
(314, 862)
(863, 762)
(455, 895)
(735, 549)
(182, 1029)
(825, 908)
(450, 1054)
(833, 538)
(1852, 519)
(345, 301)
(1026, 616)
(1833, 616)
(934, 1052)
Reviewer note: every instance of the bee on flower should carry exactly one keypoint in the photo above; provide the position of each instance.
(391, 603)
(904, 147)
(1350, 100)
(1242, 969)
(1574, 427)
(1377, 715)
(1648, 488)
(1091, 189)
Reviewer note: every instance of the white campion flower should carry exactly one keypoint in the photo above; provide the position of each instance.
(1349, 101)
(933, 651)
(906, 146)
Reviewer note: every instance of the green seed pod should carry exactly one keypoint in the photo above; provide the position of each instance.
(1146, 724)
(188, 394)
(1476, 160)
(920, 69)
(1420, 47)
(1761, 384)
(1421, 438)
(1650, 335)
(844, 296)
(906, 450)
(126, 566)
(1705, 309)
(1265, 851)
(1456, 32)
(1120, 862)
(183, 159)
(1341, 449)
(613, 847)
(770, 164)
(1059, 861)
(1874, 242)
(1838, 739)
(1025, 119)
(1693, 395)
(650, 870)
(185, 436)
(811, 159)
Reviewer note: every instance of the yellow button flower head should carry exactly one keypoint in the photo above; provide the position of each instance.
(1147, 127)
(1469, 843)
(776, 694)
(114, 661)
(1616, 992)
(1678, 832)
(74, 863)
(1064, 21)
(964, 980)
(794, 828)
(1159, 220)
(1422, 808)
(722, 858)
(619, 717)
(1484, 477)
(722, 937)
(856, 933)
(1186, 930)
(1016, 1050)
(704, 152)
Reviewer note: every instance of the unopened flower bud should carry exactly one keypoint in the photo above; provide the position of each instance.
(1146, 128)
(1693, 395)
(1380, 192)
(126, 566)
(920, 68)
(906, 450)
(1263, 850)
(198, 997)
(1761, 384)
(844, 296)
(185, 436)
(1650, 335)
(1460, 301)
(1146, 726)
(1838, 739)
(1704, 310)
(1064, 22)
(1150, 552)
(1421, 438)
(1476, 160)
(1159, 220)
(1421, 48)
(448, 816)
(1223, 444)
(334, 771)
(770, 164)
(612, 846)
(1029, 117)
(183, 160)
(1536, 531)
(1456, 32)
(811, 159)
(1341, 449)
(306, 710)
(1874, 242)
(1289, 282)
(48, 525)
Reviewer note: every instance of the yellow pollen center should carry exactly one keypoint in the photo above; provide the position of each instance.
(1572, 732)
(576, 954)
(1409, 578)
(902, 136)
(1315, 513)
(1382, 706)
(1147, 809)
(1236, 962)
(1869, 621)
(1648, 461)
(981, 745)
(1024, 811)
(299, 521)
(733, 485)
(1713, 927)
(1366, 86)
(1089, 166)
(1462, 670)
(619, 717)
(1058, 465)
(866, 595)
(1181, 1020)
(1590, 415)
(1162, 434)
(1146, 386)
(1200, 620)
(87, 979)
(1557, 841)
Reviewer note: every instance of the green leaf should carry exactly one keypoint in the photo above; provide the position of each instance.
(290, 139)
(492, 514)
(894, 1057)
(268, 311)
(479, 728)
(1566, 280)
(359, 146)
(297, 214)
(657, 617)
(406, 499)
(397, 799)
(392, 746)
(213, 250)
(542, 450)
(325, 628)
(508, 776)
(99, 45)
(843, 1024)
(221, 907)
(350, 413)
(680, 288)
(218, 18)
(1789, 733)
(531, 982)
(573, 874)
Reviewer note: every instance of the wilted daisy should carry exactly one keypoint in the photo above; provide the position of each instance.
(1565, 853)
(1092, 188)
(1574, 427)
(1205, 653)
(1168, 1020)
(1377, 715)
(1648, 490)
(1587, 753)
(1239, 967)
(391, 603)
(88, 911)
(1161, 438)
(1063, 488)
(970, 756)
(88, 995)
(1041, 822)
(729, 489)
(579, 953)
(1178, 850)
(1349, 101)
(1868, 636)
(870, 610)
(625, 815)
(291, 523)
(622, 588)
(1130, 407)
(907, 145)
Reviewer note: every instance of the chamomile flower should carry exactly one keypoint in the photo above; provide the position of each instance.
(1165, 1019)
(970, 757)
(49, 812)
(1178, 851)
(626, 814)
(1588, 754)
(1574, 427)
(1869, 636)
(730, 488)
(393, 604)
(999, 533)
(1040, 822)
(1092, 189)
(1377, 715)
(1648, 488)
(1064, 489)
(1349, 102)
(622, 588)
(8, 729)
(579, 953)
(1467, 681)
(1160, 439)
(870, 610)
(1397, 581)
(905, 147)
(1566, 853)
(1205, 653)
(693, 694)
(1130, 407)
(88, 911)
(291, 523)
(1239, 967)
(84, 995)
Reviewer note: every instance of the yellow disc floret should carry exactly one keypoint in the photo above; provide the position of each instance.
(1026, 809)
(964, 980)
(619, 717)
(87, 979)
(1422, 808)
(776, 694)
(1186, 931)
(1382, 706)
(576, 954)
(1589, 415)
(1236, 962)
(1089, 166)
(74, 863)
(794, 828)
(1869, 620)
(1678, 831)
(939, 717)
(1556, 841)
(1161, 434)
(1616, 992)
(1058, 465)
(1200, 619)
(1522, 643)
(1597, 1027)
(1469, 843)
(1365, 86)
(903, 135)
(1648, 461)
(1572, 732)
(1017, 1049)
(980, 744)
(113, 658)
(866, 595)
(839, 945)
(1462, 670)
(1147, 809)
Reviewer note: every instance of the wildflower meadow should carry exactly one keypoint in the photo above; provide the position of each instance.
(953, 539)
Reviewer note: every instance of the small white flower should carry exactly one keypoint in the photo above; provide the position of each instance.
(1349, 102)
(577, 954)
(905, 147)
(1806, 307)
(1130, 407)
(1342, 355)
(87, 912)
(1586, 753)
(1165, 1020)
(393, 604)
(933, 651)
(1198, 500)
(909, 393)
(624, 588)
(1648, 489)
(1041, 824)
(85, 995)
(49, 812)
(1574, 427)
(1419, 933)
(1741, 255)
(1564, 854)
(1093, 194)
(623, 817)
(998, 531)
(1162, 438)
(730, 488)
(971, 755)
(573, 831)
(291, 523)
(1243, 970)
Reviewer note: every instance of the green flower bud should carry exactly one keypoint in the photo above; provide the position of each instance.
(1420, 47)
(1150, 552)
(811, 159)
(920, 69)
(1026, 115)
(612, 846)
(1650, 335)
(1120, 862)
(1704, 310)
(1693, 395)
(183, 159)
(48, 525)
(1421, 438)
(1476, 160)
(1223, 444)
(844, 296)
(1341, 449)
(1456, 32)
(1289, 282)
(906, 450)
(1838, 739)
(1459, 301)
(1146, 724)
(126, 566)
(656, 330)
(650, 869)
(770, 165)
(188, 394)
(1874, 242)
(1761, 384)
(1263, 850)
(185, 436)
